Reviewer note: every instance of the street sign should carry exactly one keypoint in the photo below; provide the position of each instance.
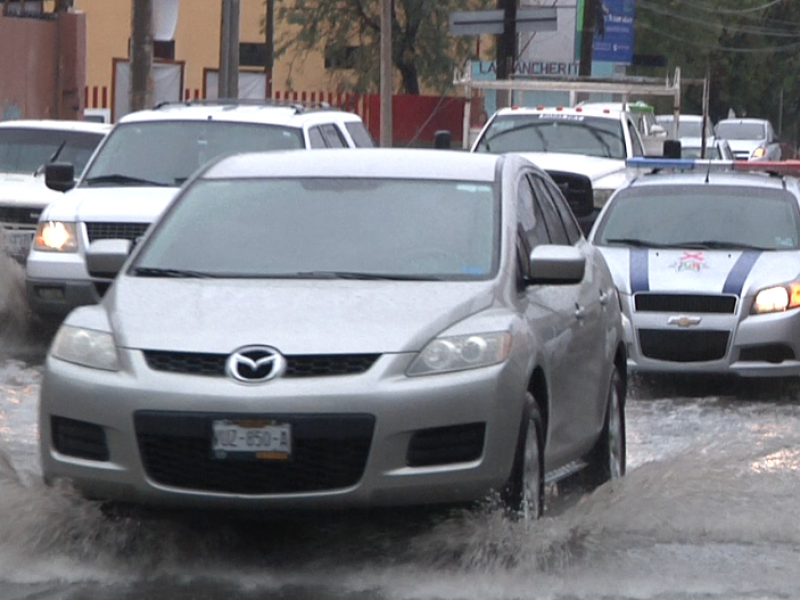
(616, 44)
(476, 22)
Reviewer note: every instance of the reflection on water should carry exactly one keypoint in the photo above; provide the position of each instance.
(708, 510)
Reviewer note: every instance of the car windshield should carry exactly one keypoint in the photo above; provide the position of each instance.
(168, 152)
(701, 216)
(568, 133)
(26, 150)
(328, 228)
(741, 131)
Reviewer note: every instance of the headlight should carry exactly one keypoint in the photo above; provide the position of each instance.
(601, 197)
(56, 236)
(87, 347)
(777, 299)
(759, 152)
(459, 353)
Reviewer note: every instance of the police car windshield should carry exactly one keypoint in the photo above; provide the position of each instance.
(569, 133)
(707, 216)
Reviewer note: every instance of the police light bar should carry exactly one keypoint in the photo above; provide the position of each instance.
(643, 164)
(775, 167)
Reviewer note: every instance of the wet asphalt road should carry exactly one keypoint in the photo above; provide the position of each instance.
(709, 510)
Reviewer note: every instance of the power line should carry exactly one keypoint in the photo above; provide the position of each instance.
(737, 50)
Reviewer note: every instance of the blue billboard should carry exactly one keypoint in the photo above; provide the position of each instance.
(616, 42)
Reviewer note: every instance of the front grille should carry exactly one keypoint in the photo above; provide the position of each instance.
(446, 445)
(771, 353)
(685, 303)
(328, 452)
(312, 365)
(79, 439)
(20, 215)
(115, 231)
(683, 346)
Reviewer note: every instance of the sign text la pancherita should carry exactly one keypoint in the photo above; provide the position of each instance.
(534, 67)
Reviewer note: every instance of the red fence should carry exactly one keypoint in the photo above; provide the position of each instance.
(416, 118)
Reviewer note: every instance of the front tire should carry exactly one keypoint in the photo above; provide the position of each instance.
(523, 495)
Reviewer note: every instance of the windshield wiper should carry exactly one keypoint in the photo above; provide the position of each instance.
(718, 245)
(119, 178)
(636, 243)
(361, 276)
(52, 158)
(158, 272)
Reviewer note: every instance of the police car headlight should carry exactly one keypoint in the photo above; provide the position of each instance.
(56, 236)
(777, 299)
(87, 347)
(459, 353)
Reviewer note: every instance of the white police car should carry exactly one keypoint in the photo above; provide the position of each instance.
(707, 261)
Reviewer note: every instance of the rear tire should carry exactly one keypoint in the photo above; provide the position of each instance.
(523, 494)
(607, 459)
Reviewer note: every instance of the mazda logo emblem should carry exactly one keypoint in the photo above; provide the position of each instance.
(255, 364)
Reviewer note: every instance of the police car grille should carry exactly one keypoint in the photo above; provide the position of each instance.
(115, 231)
(685, 303)
(309, 365)
(328, 452)
(20, 215)
(683, 346)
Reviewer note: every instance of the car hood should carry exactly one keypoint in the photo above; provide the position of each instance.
(294, 316)
(117, 204)
(700, 271)
(604, 172)
(25, 190)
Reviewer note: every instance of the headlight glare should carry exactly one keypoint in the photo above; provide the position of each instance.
(56, 236)
(458, 353)
(87, 347)
(777, 299)
(759, 152)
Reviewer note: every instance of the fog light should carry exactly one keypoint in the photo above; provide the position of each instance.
(50, 292)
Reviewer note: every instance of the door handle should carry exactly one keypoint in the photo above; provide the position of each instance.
(580, 312)
(604, 297)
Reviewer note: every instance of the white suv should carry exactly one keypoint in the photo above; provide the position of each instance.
(139, 168)
(25, 147)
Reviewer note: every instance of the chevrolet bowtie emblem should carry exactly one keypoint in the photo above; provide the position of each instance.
(684, 321)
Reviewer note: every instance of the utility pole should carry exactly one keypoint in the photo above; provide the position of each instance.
(269, 31)
(386, 74)
(229, 50)
(587, 37)
(506, 44)
(141, 55)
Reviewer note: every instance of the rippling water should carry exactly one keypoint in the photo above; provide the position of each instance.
(709, 510)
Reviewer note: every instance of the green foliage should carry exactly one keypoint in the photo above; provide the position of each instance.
(423, 51)
(750, 48)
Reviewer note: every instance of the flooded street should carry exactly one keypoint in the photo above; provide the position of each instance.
(708, 510)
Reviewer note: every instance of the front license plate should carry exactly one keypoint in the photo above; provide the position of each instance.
(18, 242)
(251, 438)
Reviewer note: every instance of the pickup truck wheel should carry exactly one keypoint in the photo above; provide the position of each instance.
(523, 494)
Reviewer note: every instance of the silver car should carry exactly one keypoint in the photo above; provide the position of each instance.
(707, 262)
(750, 139)
(313, 330)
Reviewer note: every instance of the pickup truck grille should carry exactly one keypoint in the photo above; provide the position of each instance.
(20, 215)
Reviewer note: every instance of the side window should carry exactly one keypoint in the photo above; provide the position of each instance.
(549, 214)
(359, 134)
(636, 143)
(333, 137)
(574, 233)
(316, 138)
(529, 216)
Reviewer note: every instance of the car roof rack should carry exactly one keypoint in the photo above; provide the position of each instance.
(299, 106)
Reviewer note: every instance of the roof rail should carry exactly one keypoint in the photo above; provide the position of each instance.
(298, 105)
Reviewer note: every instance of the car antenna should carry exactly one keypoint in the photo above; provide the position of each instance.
(708, 171)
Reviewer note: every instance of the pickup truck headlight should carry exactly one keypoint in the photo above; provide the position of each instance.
(87, 347)
(459, 353)
(601, 196)
(777, 299)
(56, 236)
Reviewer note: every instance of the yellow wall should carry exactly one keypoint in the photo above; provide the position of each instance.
(196, 37)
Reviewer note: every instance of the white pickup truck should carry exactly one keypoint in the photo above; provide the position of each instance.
(584, 149)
